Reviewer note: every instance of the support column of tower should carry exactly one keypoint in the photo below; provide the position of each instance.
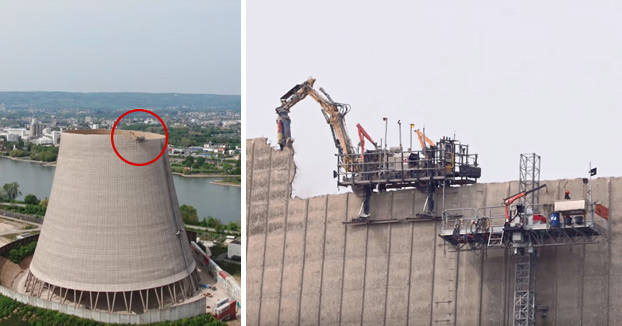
(524, 291)
(525, 272)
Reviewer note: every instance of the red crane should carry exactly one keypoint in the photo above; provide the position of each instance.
(362, 135)
(508, 201)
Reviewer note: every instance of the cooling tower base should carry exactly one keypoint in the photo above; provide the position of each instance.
(133, 302)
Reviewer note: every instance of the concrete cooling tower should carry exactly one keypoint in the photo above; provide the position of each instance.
(113, 239)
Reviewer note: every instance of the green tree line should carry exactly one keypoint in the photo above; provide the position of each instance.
(189, 216)
(18, 254)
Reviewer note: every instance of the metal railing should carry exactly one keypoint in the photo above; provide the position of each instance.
(390, 166)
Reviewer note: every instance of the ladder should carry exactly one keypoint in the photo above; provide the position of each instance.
(496, 239)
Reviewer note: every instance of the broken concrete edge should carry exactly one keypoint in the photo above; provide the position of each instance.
(291, 152)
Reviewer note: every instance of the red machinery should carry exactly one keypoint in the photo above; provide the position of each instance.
(508, 201)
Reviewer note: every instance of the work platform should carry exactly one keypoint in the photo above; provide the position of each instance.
(485, 228)
(447, 163)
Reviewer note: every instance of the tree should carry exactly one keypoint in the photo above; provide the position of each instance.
(188, 161)
(11, 190)
(189, 214)
(31, 199)
(232, 226)
(43, 203)
(16, 153)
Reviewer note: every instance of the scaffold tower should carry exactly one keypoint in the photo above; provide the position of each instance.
(523, 225)
(530, 178)
(524, 290)
(524, 269)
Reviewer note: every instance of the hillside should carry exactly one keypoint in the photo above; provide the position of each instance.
(113, 101)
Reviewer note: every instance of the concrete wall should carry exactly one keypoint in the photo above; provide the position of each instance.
(23, 217)
(304, 267)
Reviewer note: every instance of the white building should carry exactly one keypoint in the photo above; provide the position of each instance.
(45, 141)
(234, 248)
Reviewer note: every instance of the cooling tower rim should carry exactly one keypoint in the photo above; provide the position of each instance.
(118, 132)
(95, 287)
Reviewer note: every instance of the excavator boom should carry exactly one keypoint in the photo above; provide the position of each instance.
(333, 112)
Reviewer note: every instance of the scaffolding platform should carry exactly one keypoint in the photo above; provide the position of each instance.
(447, 163)
(486, 229)
(538, 235)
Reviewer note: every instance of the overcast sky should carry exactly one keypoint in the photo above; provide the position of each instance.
(190, 46)
(508, 77)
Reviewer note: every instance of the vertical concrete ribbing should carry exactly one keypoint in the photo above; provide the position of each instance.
(494, 295)
(596, 267)
(278, 198)
(468, 286)
(319, 306)
(386, 285)
(313, 261)
(257, 228)
(343, 267)
(332, 275)
(293, 262)
(304, 255)
(354, 268)
(446, 272)
(285, 228)
(377, 260)
(399, 265)
(263, 265)
(422, 271)
(615, 258)
(597, 285)
(250, 147)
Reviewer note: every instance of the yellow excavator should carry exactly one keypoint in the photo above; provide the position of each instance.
(334, 113)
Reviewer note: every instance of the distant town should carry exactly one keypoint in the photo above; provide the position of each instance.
(202, 141)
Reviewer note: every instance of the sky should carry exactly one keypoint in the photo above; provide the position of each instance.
(506, 77)
(190, 46)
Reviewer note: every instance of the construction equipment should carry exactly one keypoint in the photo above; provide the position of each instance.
(508, 201)
(525, 232)
(362, 135)
(423, 139)
(445, 163)
(333, 112)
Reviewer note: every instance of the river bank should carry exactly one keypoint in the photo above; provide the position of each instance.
(222, 183)
(206, 175)
(21, 159)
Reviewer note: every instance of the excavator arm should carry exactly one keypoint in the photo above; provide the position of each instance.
(333, 112)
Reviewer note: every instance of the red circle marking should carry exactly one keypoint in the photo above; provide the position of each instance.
(115, 126)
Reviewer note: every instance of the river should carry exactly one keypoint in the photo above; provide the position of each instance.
(223, 202)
